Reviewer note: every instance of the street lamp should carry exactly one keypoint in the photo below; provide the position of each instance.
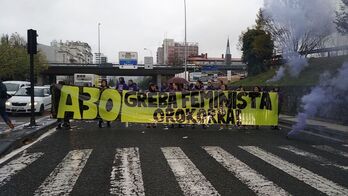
(185, 41)
(99, 43)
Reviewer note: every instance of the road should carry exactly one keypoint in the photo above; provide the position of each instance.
(20, 119)
(87, 160)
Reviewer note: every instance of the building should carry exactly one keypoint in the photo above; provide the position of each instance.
(100, 58)
(68, 52)
(173, 53)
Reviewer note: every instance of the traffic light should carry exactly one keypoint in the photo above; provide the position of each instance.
(32, 43)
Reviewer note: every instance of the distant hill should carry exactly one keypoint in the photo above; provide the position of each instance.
(308, 77)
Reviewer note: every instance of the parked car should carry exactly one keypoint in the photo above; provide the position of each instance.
(14, 86)
(20, 102)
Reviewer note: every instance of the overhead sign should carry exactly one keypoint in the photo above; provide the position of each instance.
(128, 58)
(148, 62)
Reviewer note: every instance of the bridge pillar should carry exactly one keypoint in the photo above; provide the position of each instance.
(159, 81)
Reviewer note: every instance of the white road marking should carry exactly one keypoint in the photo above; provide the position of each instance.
(318, 182)
(191, 181)
(16, 165)
(255, 181)
(21, 149)
(345, 145)
(312, 156)
(331, 150)
(63, 178)
(126, 176)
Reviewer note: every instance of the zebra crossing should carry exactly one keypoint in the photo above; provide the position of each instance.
(126, 176)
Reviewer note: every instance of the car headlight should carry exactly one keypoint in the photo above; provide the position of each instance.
(35, 103)
(8, 103)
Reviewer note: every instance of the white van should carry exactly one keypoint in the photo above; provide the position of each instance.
(13, 86)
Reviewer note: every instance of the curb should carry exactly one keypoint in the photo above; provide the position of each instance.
(19, 139)
(325, 132)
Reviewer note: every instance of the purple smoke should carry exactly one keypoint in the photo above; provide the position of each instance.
(330, 92)
(300, 24)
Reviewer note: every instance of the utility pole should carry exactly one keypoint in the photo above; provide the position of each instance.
(185, 42)
(32, 49)
(99, 44)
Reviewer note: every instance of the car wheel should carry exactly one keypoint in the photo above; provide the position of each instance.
(42, 110)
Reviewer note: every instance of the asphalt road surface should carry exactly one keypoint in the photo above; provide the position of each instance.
(87, 160)
(19, 119)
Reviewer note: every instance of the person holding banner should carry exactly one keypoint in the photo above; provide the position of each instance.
(132, 86)
(198, 87)
(3, 98)
(222, 87)
(103, 86)
(152, 89)
(121, 85)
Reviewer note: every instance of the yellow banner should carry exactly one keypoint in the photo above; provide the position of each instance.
(193, 107)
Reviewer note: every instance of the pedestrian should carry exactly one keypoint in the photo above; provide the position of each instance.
(210, 86)
(132, 86)
(121, 85)
(152, 89)
(3, 98)
(103, 86)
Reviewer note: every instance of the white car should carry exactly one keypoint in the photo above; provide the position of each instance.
(13, 86)
(20, 102)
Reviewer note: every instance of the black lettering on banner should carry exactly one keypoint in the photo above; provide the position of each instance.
(141, 100)
(194, 99)
(207, 95)
(221, 115)
(201, 116)
(161, 115)
(184, 98)
(232, 99)
(230, 117)
(172, 103)
(211, 116)
(242, 105)
(216, 98)
(130, 101)
(189, 116)
(238, 116)
(266, 101)
(162, 99)
(223, 101)
(170, 115)
(253, 96)
(180, 116)
(151, 99)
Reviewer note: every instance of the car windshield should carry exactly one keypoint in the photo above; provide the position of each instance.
(26, 92)
(11, 86)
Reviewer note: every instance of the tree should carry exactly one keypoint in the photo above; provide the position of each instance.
(14, 60)
(257, 46)
(342, 18)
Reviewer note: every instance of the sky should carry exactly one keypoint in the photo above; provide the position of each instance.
(132, 25)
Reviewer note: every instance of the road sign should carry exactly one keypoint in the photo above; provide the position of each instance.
(128, 58)
(148, 61)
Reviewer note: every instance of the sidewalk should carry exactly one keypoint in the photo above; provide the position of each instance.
(327, 129)
(19, 135)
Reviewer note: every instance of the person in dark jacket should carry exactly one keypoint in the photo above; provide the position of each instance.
(210, 86)
(132, 86)
(3, 98)
(103, 86)
(121, 84)
(152, 88)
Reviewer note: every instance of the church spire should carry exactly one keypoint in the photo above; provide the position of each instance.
(228, 56)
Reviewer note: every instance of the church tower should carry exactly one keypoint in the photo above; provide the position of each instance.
(228, 56)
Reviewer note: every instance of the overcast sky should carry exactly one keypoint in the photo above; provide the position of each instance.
(132, 25)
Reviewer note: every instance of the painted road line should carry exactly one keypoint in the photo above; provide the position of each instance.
(255, 181)
(345, 145)
(126, 176)
(331, 150)
(191, 181)
(312, 156)
(63, 178)
(318, 182)
(23, 148)
(16, 165)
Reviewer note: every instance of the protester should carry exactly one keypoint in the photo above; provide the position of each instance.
(121, 85)
(210, 86)
(103, 86)
(152, 88)
(257, 89)
(132, 86)
(55, 89)
(3, 98)
(280, 101)
(164, 87)
(222, 87)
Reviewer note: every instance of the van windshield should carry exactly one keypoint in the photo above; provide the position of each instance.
(12, 86)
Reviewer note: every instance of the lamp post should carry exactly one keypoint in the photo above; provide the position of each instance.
(99, 44)
(185, 49)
